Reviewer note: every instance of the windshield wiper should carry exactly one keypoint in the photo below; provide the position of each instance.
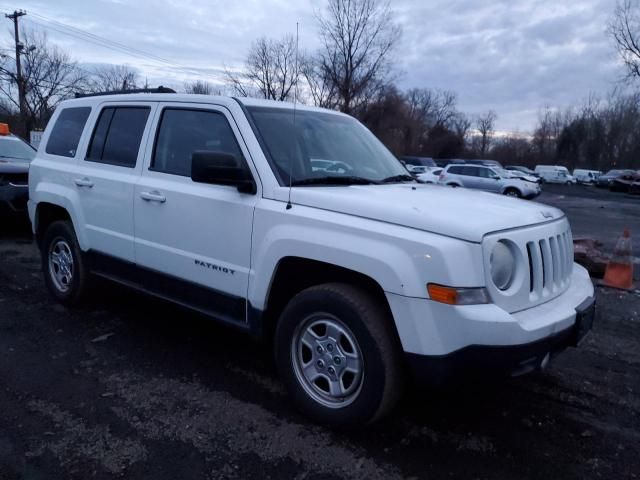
(399, 178)
(335, 180)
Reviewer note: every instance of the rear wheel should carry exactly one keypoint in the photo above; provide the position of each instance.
(63, 263)
(338, 355)
(512, 192)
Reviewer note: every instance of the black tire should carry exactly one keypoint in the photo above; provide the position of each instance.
(513, 192)
(452, 185)
(382, 379)
(58, 233)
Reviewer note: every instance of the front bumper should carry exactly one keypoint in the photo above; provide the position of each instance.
(13, 198)
(530, 194)
(450, 339)
(514, 360)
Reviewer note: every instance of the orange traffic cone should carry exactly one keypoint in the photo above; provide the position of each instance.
(619, 271)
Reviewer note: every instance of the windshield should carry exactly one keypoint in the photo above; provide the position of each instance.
(322, 146)
(16, 150)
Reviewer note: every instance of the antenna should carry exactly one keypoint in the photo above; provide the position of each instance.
(295, 104)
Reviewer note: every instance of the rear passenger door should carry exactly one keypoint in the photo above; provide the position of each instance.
(193, 240)
(471, 177)
(106, 177)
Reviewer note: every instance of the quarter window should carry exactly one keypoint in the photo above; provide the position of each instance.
(117, 136)
(66, 132)
(183, 132)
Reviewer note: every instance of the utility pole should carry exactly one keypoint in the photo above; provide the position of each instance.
(19, 80)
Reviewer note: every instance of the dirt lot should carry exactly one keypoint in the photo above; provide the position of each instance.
(132, 387)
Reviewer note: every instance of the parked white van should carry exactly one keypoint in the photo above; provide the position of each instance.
(554, 174)
(588, 177)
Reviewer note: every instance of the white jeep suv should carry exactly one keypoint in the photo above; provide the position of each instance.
(359, 276)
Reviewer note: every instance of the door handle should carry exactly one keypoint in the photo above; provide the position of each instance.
(83, 182)
(153, 196)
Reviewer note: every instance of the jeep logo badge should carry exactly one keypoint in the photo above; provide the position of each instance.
(546, 214)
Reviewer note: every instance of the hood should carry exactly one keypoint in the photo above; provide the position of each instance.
(13, 166)
(460, 213)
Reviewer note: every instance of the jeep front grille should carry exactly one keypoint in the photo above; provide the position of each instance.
(544, 259)
(550, 263)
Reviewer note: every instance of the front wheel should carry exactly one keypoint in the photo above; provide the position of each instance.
(64, 266)
(512, 192)
(338, 355)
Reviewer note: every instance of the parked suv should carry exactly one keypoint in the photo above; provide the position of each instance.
(491, 179)
(15, 156)
(357, 277)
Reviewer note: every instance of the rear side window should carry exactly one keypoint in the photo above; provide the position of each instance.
(455, 170)
(183, 132)
(66, 132)
(117, 136)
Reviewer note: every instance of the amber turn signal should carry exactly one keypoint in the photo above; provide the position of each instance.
(457, 296)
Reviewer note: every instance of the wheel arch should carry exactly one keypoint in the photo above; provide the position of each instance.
(281, 287)
(54, 202)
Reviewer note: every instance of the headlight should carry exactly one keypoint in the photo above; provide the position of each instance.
(503, 265)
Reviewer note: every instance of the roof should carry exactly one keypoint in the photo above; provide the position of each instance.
(191, 98)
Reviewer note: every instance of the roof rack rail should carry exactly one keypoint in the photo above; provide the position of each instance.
(159, 89)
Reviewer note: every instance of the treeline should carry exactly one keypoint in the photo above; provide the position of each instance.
(601, 134)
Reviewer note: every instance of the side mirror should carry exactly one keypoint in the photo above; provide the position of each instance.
(220, 169)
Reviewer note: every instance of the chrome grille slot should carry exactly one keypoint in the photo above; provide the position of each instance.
(536, 267)
(545, 251)
(555, 256)
(562, 255)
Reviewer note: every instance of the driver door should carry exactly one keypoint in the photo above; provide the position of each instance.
(193, 240)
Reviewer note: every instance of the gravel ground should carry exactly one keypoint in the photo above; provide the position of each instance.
(132, 387)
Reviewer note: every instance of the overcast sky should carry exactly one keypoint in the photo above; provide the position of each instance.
(513, 56)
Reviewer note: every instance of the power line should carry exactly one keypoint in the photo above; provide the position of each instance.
(101, 40)
(80, 34)
(94, 41)
(77, 33)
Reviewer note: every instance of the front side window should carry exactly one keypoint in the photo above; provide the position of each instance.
(471, 171)
(66, 132)
(294, 146)
(117, 136)
(183, 132)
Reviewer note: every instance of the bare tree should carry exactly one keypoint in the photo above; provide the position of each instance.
(547, 132)
(485, 124)
(318, 83)
(432, 107)
(460, 124)
(113, 78)
(270, 70)
(200, 87)
(624, 28)
(357, 38)
(49, 76)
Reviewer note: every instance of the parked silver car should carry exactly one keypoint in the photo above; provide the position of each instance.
(491, 179)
